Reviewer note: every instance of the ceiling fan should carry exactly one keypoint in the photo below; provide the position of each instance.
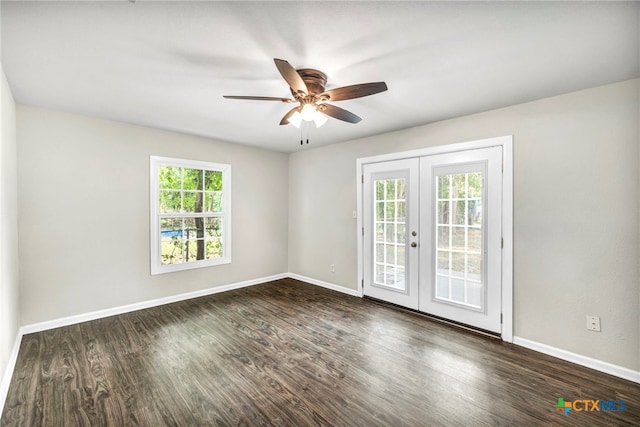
(308, 89)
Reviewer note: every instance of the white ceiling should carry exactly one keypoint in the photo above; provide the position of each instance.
(167, 64)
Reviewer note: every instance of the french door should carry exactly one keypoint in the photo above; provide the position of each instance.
(390, 238)
(432, 235)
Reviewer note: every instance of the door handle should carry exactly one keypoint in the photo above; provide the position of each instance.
(414, 244)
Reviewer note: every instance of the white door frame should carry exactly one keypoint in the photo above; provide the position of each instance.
(506, 142)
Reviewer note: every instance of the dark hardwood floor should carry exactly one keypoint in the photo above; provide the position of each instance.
(287, 353)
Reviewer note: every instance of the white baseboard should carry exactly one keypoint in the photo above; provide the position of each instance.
(8, 372)
(598, 365)
(72, 320)
(327, 285)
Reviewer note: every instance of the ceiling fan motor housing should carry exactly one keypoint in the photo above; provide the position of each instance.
(314, 80)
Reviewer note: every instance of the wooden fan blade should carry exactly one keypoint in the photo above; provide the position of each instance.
(258, 98)
(291, 76)
(338, 113)
(285, 119)
(354, 91)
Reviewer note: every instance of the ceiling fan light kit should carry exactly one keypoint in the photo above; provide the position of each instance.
(308, 89)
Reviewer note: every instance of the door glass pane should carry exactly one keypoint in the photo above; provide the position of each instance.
(390, 219)
(457, 238)
(443, 262)
(401, 234)
(459, 272)
(400, 255)
(442, 287)
(443, 237)
(443, 212)
(474, 242)
(459, 212)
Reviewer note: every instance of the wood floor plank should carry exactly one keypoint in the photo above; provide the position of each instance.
(287, 353)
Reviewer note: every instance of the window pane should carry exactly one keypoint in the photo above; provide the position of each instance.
(443, 262)
(193, 179)
(400, 260)
(213, 202)
(171, 252)
(391, 189)
(475, 185)
(457, 290)
(389, 275)
(402, 213)
(458, 212)
(170, 177)
(391, 254)
(458, 189)
(194, 250)
(402, 189)
(379, 273)
(380, 232)
(379, 211)
(214, 249)
(442, 287)
(400, 279)
(192, 201)
(170, 201)
(379, 190)
(443, 187)
(170, 228)
(213, 227)
(458, 238)
(474, 266)
(443, 212)
(474, 212)
(401, 233)
(391, 211)
(474, 236)
(391, 231)
(457, 264)
(194, 228)
(213, 180)
(443, 237)
(380, 253)
(474, 294)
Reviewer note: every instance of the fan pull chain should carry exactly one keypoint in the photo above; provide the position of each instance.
(303, 132)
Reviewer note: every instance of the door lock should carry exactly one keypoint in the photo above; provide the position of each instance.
(414, 244)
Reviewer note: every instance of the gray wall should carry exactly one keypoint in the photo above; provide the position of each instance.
(576, 213)
(83, 201)
(83, 188)
(8, 225)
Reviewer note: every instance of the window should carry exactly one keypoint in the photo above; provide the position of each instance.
(190, 214)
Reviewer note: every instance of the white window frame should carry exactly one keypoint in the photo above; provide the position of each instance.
(155, 162)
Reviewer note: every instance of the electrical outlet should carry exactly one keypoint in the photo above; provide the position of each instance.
(332, 267)
(593, 323)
